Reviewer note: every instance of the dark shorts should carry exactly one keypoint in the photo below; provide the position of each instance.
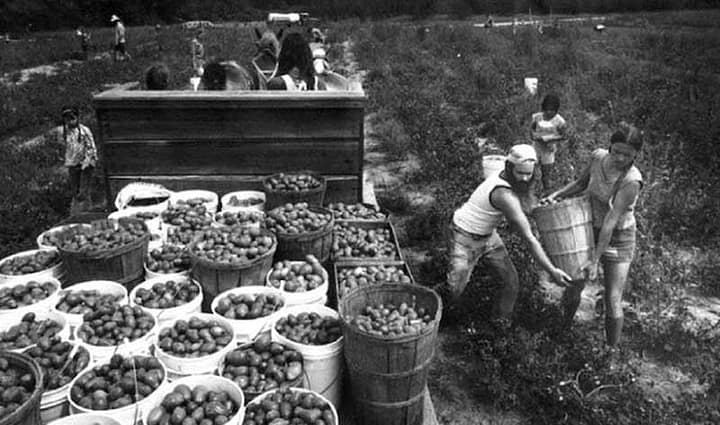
(120, 47)
(622, 245)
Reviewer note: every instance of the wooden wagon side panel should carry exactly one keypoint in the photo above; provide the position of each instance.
(227, 141)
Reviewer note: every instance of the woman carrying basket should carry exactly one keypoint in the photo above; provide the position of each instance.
(613, 183)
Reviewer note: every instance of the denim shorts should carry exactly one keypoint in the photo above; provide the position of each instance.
(622, 245)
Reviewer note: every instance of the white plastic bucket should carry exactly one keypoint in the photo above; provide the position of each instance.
(167, 315)
(247, 330)
(85, 419)
(55, 271)
(314, 296)
(149, 274)
(211, 204)
(128, 415)
(41, 237)
(323, 364)
(531, 85)
(261, 397)
(43, 306)
(107, 287)
(242, 195)
(213, 383)
(55, 316)
(195, 365)
(54, 403)
(140, 190)
(492, 164)
(101, 354)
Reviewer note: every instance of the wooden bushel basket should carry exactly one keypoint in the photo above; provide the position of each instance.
(217, 277)
(29, 412)
(276, 198)
(388, 374)
(295, 246)
(124, 264)
(566, 233)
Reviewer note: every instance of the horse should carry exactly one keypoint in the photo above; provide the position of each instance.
(266, 60)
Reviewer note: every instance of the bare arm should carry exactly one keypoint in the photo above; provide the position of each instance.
(573, 188)
(623, 199)
(507, 202)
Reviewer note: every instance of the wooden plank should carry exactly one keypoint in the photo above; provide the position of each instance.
(224, 99)
(200, 124)
(231, 157)
(345, 188)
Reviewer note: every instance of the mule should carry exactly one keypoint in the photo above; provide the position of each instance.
(266, 60)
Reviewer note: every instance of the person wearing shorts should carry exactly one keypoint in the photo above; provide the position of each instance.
(547, 129)
(474, 237)
(613, 184)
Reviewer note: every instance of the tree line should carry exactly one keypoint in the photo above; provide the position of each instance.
(24, 15)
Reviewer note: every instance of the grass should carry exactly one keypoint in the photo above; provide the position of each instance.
(431, 96)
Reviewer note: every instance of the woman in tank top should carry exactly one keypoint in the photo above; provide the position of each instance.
(295, 70)
(613, 184)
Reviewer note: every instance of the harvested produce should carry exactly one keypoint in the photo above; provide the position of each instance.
(188, 214)
(29, 331)
(293, 182)
(111, 325)
(236, 245)
(145, 215)
(263, 365)
(248, 306)
(357, 211)
(352, 241)
(180, 237)
(99, 238)
(16, 387)
(12, 297)
(286, 406)
(309, 328)
(199, 405)
(168, 259)
(353, 277)
(53, 356)
(168, 294)
(119, 383)
(84, 301)
(391, 320)
(234, 201)
(297, 276)
(194, 338)
(296, 218)
(30, 263)
(239, 218)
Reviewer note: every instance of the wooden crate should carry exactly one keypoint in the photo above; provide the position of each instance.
(230, 140)
(334, 289)
(366, 224)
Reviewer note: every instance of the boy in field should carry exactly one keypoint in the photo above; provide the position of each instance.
(547, 128)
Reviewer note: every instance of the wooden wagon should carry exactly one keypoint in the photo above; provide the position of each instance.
(227, 141)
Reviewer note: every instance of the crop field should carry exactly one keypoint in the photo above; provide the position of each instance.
(434, 87)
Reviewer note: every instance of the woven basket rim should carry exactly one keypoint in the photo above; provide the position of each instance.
(329, 226)
(321, 178)
(195, 259)
(560, 204)
(123, 249)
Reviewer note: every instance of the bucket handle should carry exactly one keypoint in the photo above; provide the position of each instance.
(333, 382)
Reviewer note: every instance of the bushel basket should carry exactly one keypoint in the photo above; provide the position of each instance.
(123, 264)
(295, 246)
(388, 375)
(29, 412)
(275, 198)
(216, 277)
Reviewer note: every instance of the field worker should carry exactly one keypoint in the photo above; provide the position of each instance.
(197, 51)
(613, 183)
(120, 47)
(84, 38)
(226, 75)
(295, 70)
(546, 129)
(80, 152)
(474, 235)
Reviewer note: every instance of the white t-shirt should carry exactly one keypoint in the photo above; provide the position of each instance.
(551, 127)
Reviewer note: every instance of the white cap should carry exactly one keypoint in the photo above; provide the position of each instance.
(520, 154)
(114, 18)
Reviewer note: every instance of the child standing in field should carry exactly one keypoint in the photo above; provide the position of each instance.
(80, 152)
(547, 128)
(197, 50)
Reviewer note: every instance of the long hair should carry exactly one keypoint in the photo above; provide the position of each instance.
(295, 53)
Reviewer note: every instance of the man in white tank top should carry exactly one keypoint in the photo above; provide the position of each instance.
(474, 235)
